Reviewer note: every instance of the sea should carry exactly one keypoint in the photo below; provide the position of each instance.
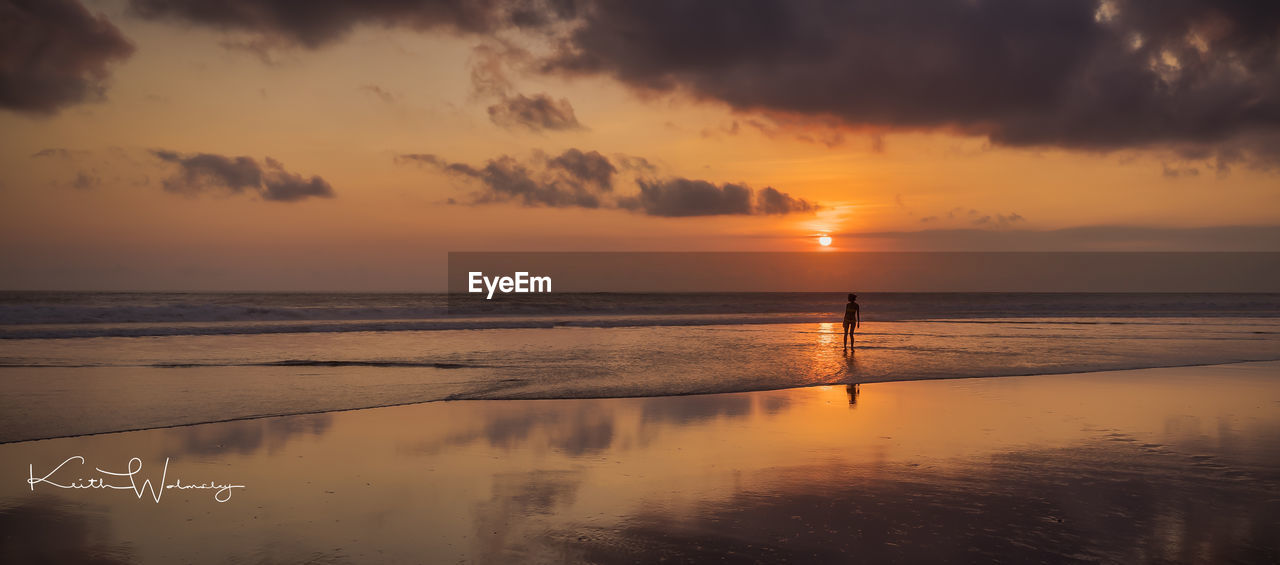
(77, 363)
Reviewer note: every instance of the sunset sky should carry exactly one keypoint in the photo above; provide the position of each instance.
(335, 145)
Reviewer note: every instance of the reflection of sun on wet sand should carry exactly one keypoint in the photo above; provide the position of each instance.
(1146, 465)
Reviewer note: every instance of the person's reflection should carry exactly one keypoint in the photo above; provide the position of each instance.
(852, 391)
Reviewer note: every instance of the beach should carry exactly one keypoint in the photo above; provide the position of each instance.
(1171, 465)
(89, 363)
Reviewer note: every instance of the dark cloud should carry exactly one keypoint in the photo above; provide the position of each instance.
(586, 180)
(1198, 77)
(312, 25)
(54, 54)
(505, 179)
(205, 172)
(681, 197)
(588, 167)
(315, 24)
(514, 110)
(1089, 75)
(282, 186)
(772, 201)
(535, 113)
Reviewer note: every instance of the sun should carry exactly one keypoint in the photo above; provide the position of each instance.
(824, 240)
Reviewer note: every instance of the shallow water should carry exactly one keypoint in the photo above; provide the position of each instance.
(70, 386)
(1148, 465)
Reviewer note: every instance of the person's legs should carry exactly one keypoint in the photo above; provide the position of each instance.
(845, 340)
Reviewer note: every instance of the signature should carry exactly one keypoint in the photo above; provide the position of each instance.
(113, 480)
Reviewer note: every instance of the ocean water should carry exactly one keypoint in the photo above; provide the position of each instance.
(83, 363)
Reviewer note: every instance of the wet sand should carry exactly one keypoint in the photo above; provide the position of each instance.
(1178, 464)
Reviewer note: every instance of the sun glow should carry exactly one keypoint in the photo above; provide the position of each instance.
(824, 240)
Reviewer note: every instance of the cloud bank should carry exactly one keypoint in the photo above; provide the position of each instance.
(1200, 78)
(586, 180)
(54, 54)
(534, 113)
(202, 173)
(315, 24)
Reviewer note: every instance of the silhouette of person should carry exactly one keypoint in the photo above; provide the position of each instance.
(852, 319)
(852, 391)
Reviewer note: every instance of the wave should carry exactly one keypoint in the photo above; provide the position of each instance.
(438, 324)
(31, 308)
(67, 331)
(284, 363)
(35, 315)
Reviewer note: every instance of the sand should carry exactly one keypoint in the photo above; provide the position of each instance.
(1178, 464)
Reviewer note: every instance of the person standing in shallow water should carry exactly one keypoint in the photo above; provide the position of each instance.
(852, 319)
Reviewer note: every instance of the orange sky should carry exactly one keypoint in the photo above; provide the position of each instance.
(344, 111)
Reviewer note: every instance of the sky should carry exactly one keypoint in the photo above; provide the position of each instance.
(343, 145)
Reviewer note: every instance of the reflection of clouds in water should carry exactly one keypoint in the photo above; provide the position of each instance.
(589, 432)
(510, 524)
(248, 436)
(774, 404)
(574, 428)
(534, 492)
(686, 410)
(45, 531)
(587, 427)
(1101, 501)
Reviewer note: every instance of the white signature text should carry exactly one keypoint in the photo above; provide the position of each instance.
(117, 480)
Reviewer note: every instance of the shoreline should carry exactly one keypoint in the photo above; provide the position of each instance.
(1275, 361)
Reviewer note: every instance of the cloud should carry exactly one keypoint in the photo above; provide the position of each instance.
(312, 26)
(514, 110)
(1198, 78)
(282, 186)
(772, 201)
(55, 54)
(586, 179)
(588, 167)
(205, 172)
(535, 113)
(505, 179)
(681, 197)
(1086, 75)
